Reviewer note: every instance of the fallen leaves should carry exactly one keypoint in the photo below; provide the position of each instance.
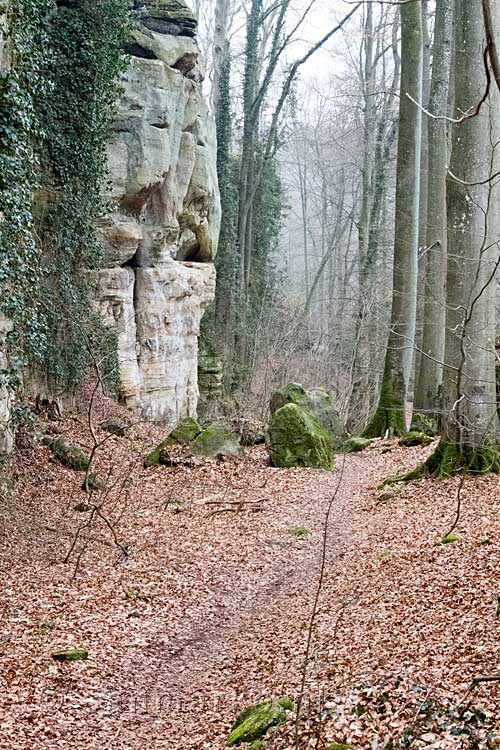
(208, 612)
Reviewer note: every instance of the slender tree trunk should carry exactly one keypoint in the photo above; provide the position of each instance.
(470, 431)
(430, 373)
(424, 191)
(220, 47)
(390, 413)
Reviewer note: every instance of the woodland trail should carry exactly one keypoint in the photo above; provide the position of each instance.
(209, 612)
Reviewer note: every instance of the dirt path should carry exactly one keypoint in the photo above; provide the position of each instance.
(209, 612)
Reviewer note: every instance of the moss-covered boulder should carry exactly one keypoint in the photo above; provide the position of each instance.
(185, 432)
(296, 438)
(414, 438)
(71, 654)
(318, 402)
(216, 440)
(254, 722)
(69, 455)
(356, 445)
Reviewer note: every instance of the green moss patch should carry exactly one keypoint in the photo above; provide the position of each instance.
(295, 438)
(255, 721)
(71, 654)
(300, 532)
(448, 539)
(355, 445)
(414, 438)
(185, 432)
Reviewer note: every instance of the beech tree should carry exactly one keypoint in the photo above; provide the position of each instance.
(471, 429)
(430, 373)
(390, 413)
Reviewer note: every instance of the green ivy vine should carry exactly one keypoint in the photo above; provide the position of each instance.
(56, 108)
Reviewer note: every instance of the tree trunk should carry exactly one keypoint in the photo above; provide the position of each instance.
(390, 413)
(470, 430)
(220, 47)
(424, 191)
(430, 373)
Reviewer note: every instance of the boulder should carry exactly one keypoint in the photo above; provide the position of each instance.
(216, 440)
(115, 426)
(296, 438)
(185, 432)
(414, 438)
(254, 722)
(317, 401)
(69, 455)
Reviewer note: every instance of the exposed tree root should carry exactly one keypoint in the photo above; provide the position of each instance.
(450, 459)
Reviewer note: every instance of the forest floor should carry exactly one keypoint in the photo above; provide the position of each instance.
(204, 607)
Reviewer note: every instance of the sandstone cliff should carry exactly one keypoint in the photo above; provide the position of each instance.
(160, 242)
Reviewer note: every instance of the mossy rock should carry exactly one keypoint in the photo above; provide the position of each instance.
(82, 508)
(115, 426)
(185, 432)
(340, 746)
(414, 438)
(93, 483)
(69, 455)
(153, 457)
(295, 438)
(71, 654)
(254, 722)
(318, 402)
(216, 440)
(356, 445)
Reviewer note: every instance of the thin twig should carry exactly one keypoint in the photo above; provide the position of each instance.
(314, 611)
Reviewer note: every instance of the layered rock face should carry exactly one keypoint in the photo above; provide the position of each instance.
(160, 242)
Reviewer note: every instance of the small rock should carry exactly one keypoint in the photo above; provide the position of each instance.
(115, 426)
(71, 654)
(93, 483)
(386, 497)
(82, 508)
(254, 722)
(414, 438)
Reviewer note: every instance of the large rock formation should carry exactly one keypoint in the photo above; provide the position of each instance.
(160, 242)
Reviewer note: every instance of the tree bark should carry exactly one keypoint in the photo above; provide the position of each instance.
(390, 413)
(430, 373)
(470, 430)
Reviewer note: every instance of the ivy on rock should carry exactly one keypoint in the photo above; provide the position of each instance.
(56, 108)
